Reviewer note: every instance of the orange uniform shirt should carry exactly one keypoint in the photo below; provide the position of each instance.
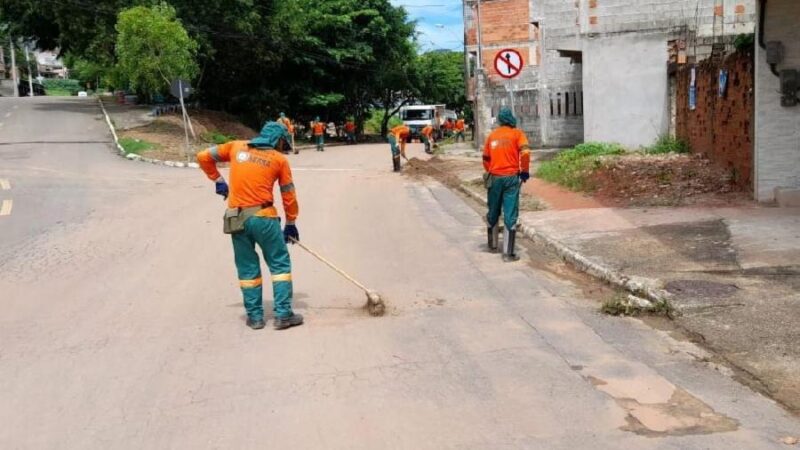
(400, 132)
(350, 127)
(254, 173)
(319, 128)
(427, 131)
(460, 125)
(287, 123)
(506, 152)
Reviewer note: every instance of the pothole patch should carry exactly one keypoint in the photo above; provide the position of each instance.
(700, 288)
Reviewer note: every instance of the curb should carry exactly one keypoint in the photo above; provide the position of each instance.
(645, 293)
(134, 156)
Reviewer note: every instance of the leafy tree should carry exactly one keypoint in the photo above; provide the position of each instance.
(153, 49)
(441, 78)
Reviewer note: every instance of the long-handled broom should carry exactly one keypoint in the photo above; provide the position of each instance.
(375, 304)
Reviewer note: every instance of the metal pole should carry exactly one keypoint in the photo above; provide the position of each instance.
(185, 125)
(478, 82)
(30, 74)
(14, 78)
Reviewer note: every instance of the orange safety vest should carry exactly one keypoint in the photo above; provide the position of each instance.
(254, 172)
(319, 128)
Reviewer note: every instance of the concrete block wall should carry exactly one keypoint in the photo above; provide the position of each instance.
(721, 128)
(777, 151)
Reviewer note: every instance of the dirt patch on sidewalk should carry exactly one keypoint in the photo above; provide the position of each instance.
(663, 180)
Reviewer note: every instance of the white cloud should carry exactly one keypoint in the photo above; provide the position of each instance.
(439, 22)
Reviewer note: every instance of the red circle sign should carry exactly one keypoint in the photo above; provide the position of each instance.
(508, 63)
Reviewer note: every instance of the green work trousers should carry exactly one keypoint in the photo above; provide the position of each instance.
(504, 195)
(395, 147)
(320, 142)
(266, 232)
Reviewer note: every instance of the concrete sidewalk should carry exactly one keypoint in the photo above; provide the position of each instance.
(732, 275)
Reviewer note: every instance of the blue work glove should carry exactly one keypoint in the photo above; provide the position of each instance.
(290, 232)
(222, 188)
(524, 176)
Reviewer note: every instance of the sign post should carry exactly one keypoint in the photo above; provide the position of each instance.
(180, 88)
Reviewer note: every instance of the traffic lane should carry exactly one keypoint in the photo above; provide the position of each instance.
(55, 119)
(473, 352)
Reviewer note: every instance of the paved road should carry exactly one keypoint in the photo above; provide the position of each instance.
(121, 324)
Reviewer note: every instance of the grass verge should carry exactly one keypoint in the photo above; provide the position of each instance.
(570, 168)
(667, 144)
(136, 146)
(216, 137)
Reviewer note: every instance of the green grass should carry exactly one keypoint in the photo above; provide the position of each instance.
(136, 146)
(667, 144)
(216, 137)
(571, 167)
(55, 92)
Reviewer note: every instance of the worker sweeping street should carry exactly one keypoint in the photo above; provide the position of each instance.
(506, 160)
(285, 121)
(426, 135)
(397, 142)
(252, 219)
(318, 130)
(350, 131)
(459, 128)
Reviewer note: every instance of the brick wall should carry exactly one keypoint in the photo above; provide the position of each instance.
(720, 128)
(505, 21)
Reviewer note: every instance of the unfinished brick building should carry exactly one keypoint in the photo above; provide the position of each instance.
(595, 69)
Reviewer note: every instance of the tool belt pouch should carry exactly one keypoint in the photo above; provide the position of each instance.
(488, 180)
(233, 221)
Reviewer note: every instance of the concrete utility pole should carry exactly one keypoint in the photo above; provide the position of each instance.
(479, 77)
(30, 73)
(14, 78)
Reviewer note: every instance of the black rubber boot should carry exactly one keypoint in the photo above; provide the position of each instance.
(256, 324)
(396, 163)
(509, 240)
(492, 235)
(293, 321)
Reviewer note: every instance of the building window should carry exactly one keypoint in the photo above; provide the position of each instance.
(566, 103)
(473, 61)
(558, 96)
(552, 113)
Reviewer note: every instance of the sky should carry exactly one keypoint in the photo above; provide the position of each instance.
(439, 22)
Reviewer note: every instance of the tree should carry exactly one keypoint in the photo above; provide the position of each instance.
(441, 78)
(153, 49)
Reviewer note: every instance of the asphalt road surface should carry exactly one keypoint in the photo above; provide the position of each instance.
(121, 324)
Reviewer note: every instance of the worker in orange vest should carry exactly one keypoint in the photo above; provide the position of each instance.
(318, 129)
(350, 131)
(506, 160)
(285, 121)
(397, 141)
(427, 138)
(251, 218)
(459, 127)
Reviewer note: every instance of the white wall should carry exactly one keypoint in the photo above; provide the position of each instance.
(626, 96)
(777, 147)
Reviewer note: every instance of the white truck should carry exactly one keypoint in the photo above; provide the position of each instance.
(417, 117)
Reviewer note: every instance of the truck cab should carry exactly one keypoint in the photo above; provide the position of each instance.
(417, 117)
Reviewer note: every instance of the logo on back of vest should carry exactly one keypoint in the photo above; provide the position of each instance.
(243, 157)
(495, 144)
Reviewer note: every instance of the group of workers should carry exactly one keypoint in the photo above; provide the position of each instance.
(253, 221)
(318, 131)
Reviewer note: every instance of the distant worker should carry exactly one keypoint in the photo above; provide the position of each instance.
(506, 159)
(397, 141)
(459, 127)
(251, 217)
(427, 138)
(285, 121)
(350, 131)
(318, 130)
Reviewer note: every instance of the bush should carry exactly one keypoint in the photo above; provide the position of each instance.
(373, 124)
(570, 168)
(216, 137)
(667, 144)
(66, 87)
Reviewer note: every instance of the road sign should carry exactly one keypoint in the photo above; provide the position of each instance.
(508, 63)
(178, 87)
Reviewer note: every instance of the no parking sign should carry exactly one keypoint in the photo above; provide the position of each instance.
(508, 63)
